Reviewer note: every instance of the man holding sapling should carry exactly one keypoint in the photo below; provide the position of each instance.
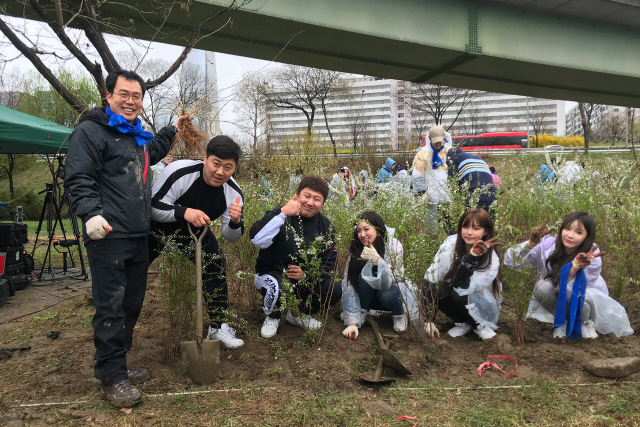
(198, 192)
(108, 182)
(297, 258)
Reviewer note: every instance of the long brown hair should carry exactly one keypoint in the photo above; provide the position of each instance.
(560, 257)
(355, 263)
(483, 219)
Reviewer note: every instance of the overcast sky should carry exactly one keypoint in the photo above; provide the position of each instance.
(230, 68)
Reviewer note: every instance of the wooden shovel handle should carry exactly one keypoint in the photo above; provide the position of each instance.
(376, 330)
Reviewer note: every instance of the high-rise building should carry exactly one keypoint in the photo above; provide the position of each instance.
(599, 114)
(379, 113)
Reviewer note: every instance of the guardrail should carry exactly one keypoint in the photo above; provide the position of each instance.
(510, 152)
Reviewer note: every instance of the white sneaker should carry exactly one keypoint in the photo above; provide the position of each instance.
(400, 323)
(305, 322)
(485, 332)
(560, 332)
(269, 327)
(225, 335)
(460, 329)
(589, 329)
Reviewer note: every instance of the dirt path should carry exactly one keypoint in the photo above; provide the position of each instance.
(287, 370)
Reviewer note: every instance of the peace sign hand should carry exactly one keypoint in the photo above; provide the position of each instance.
(583, 260)
(480, 248)
(537, 233)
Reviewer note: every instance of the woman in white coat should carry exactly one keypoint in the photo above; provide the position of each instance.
(464, 280)
(374, 277)
(570, 292)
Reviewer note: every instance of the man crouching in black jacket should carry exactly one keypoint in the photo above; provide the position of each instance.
(108, 180)
(296, 239)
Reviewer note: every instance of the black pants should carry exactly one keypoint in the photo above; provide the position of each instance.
(322, 296)
(214, 277)
(442, 296)
(119, 281)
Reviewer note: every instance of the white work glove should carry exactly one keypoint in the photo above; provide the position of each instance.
(370, 254)
(431, 331)
(351, 332)
(97, 227)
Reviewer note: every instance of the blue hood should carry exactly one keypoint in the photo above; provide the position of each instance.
(389, 163)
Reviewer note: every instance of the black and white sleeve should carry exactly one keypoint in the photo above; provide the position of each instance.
(230, 231)
(265, 231)
(172, 183)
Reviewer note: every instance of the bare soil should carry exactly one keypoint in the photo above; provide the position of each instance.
(61, 370)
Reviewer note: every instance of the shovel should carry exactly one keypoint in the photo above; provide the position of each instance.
(388, 356)
(201, 357)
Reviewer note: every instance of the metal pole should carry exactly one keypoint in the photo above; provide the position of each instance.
(528, 140)
(626, 144)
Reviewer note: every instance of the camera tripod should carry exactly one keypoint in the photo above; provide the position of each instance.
(51, 209)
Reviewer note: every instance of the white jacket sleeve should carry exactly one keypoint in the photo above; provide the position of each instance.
(350, 300)
(442, 262)
(518, 257)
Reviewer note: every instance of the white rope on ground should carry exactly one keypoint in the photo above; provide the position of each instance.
(157, 395)
(187, 393)
(500, 387)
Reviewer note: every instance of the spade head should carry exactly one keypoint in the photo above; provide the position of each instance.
(372, 380)
(391, 360)
(201, 361)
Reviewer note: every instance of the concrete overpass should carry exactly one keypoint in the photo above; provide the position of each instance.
(582, 50)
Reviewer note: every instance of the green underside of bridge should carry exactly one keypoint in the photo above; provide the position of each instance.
(479, 45)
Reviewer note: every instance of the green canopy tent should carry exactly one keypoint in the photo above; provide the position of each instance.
(22, 133)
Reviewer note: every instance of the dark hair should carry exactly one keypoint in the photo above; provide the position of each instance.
(224, 148)
(299, 172)
(112, 79)
(341, 170)
(315, 183)
(483, 219)
(356, 264)
(559, 257)
(267, 171)
(492, 169)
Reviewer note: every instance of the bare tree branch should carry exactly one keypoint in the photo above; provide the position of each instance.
(70, 98)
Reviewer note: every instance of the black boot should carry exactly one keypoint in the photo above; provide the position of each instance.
(122, 394)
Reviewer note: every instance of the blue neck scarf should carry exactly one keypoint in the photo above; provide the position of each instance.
(121, 124)
(574, 319)
(436, 161)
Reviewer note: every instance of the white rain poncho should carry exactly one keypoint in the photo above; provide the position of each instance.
(390, 272)
(483, 306)
(610, 316)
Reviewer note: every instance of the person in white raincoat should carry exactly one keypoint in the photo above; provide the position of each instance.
(575, 253)
(464, 280)
(374, 277)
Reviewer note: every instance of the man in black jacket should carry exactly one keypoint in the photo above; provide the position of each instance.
(298, 242)
(110, 187)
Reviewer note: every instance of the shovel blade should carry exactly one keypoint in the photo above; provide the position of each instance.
(372, 380)
(202, 362)
(391, 360)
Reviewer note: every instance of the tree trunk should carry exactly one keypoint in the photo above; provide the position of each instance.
(585, 125)
(326, 122)
(11, 158)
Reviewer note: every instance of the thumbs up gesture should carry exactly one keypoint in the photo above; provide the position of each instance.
(235, 211)
(292, 207)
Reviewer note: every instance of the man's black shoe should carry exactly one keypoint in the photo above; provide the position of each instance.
(122, 394)
(136, 376)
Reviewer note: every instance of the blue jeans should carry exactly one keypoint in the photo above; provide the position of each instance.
(373, 299)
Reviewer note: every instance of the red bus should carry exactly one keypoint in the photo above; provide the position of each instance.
(489, 141)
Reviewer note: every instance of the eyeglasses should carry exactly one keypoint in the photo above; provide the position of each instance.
(126, 95)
